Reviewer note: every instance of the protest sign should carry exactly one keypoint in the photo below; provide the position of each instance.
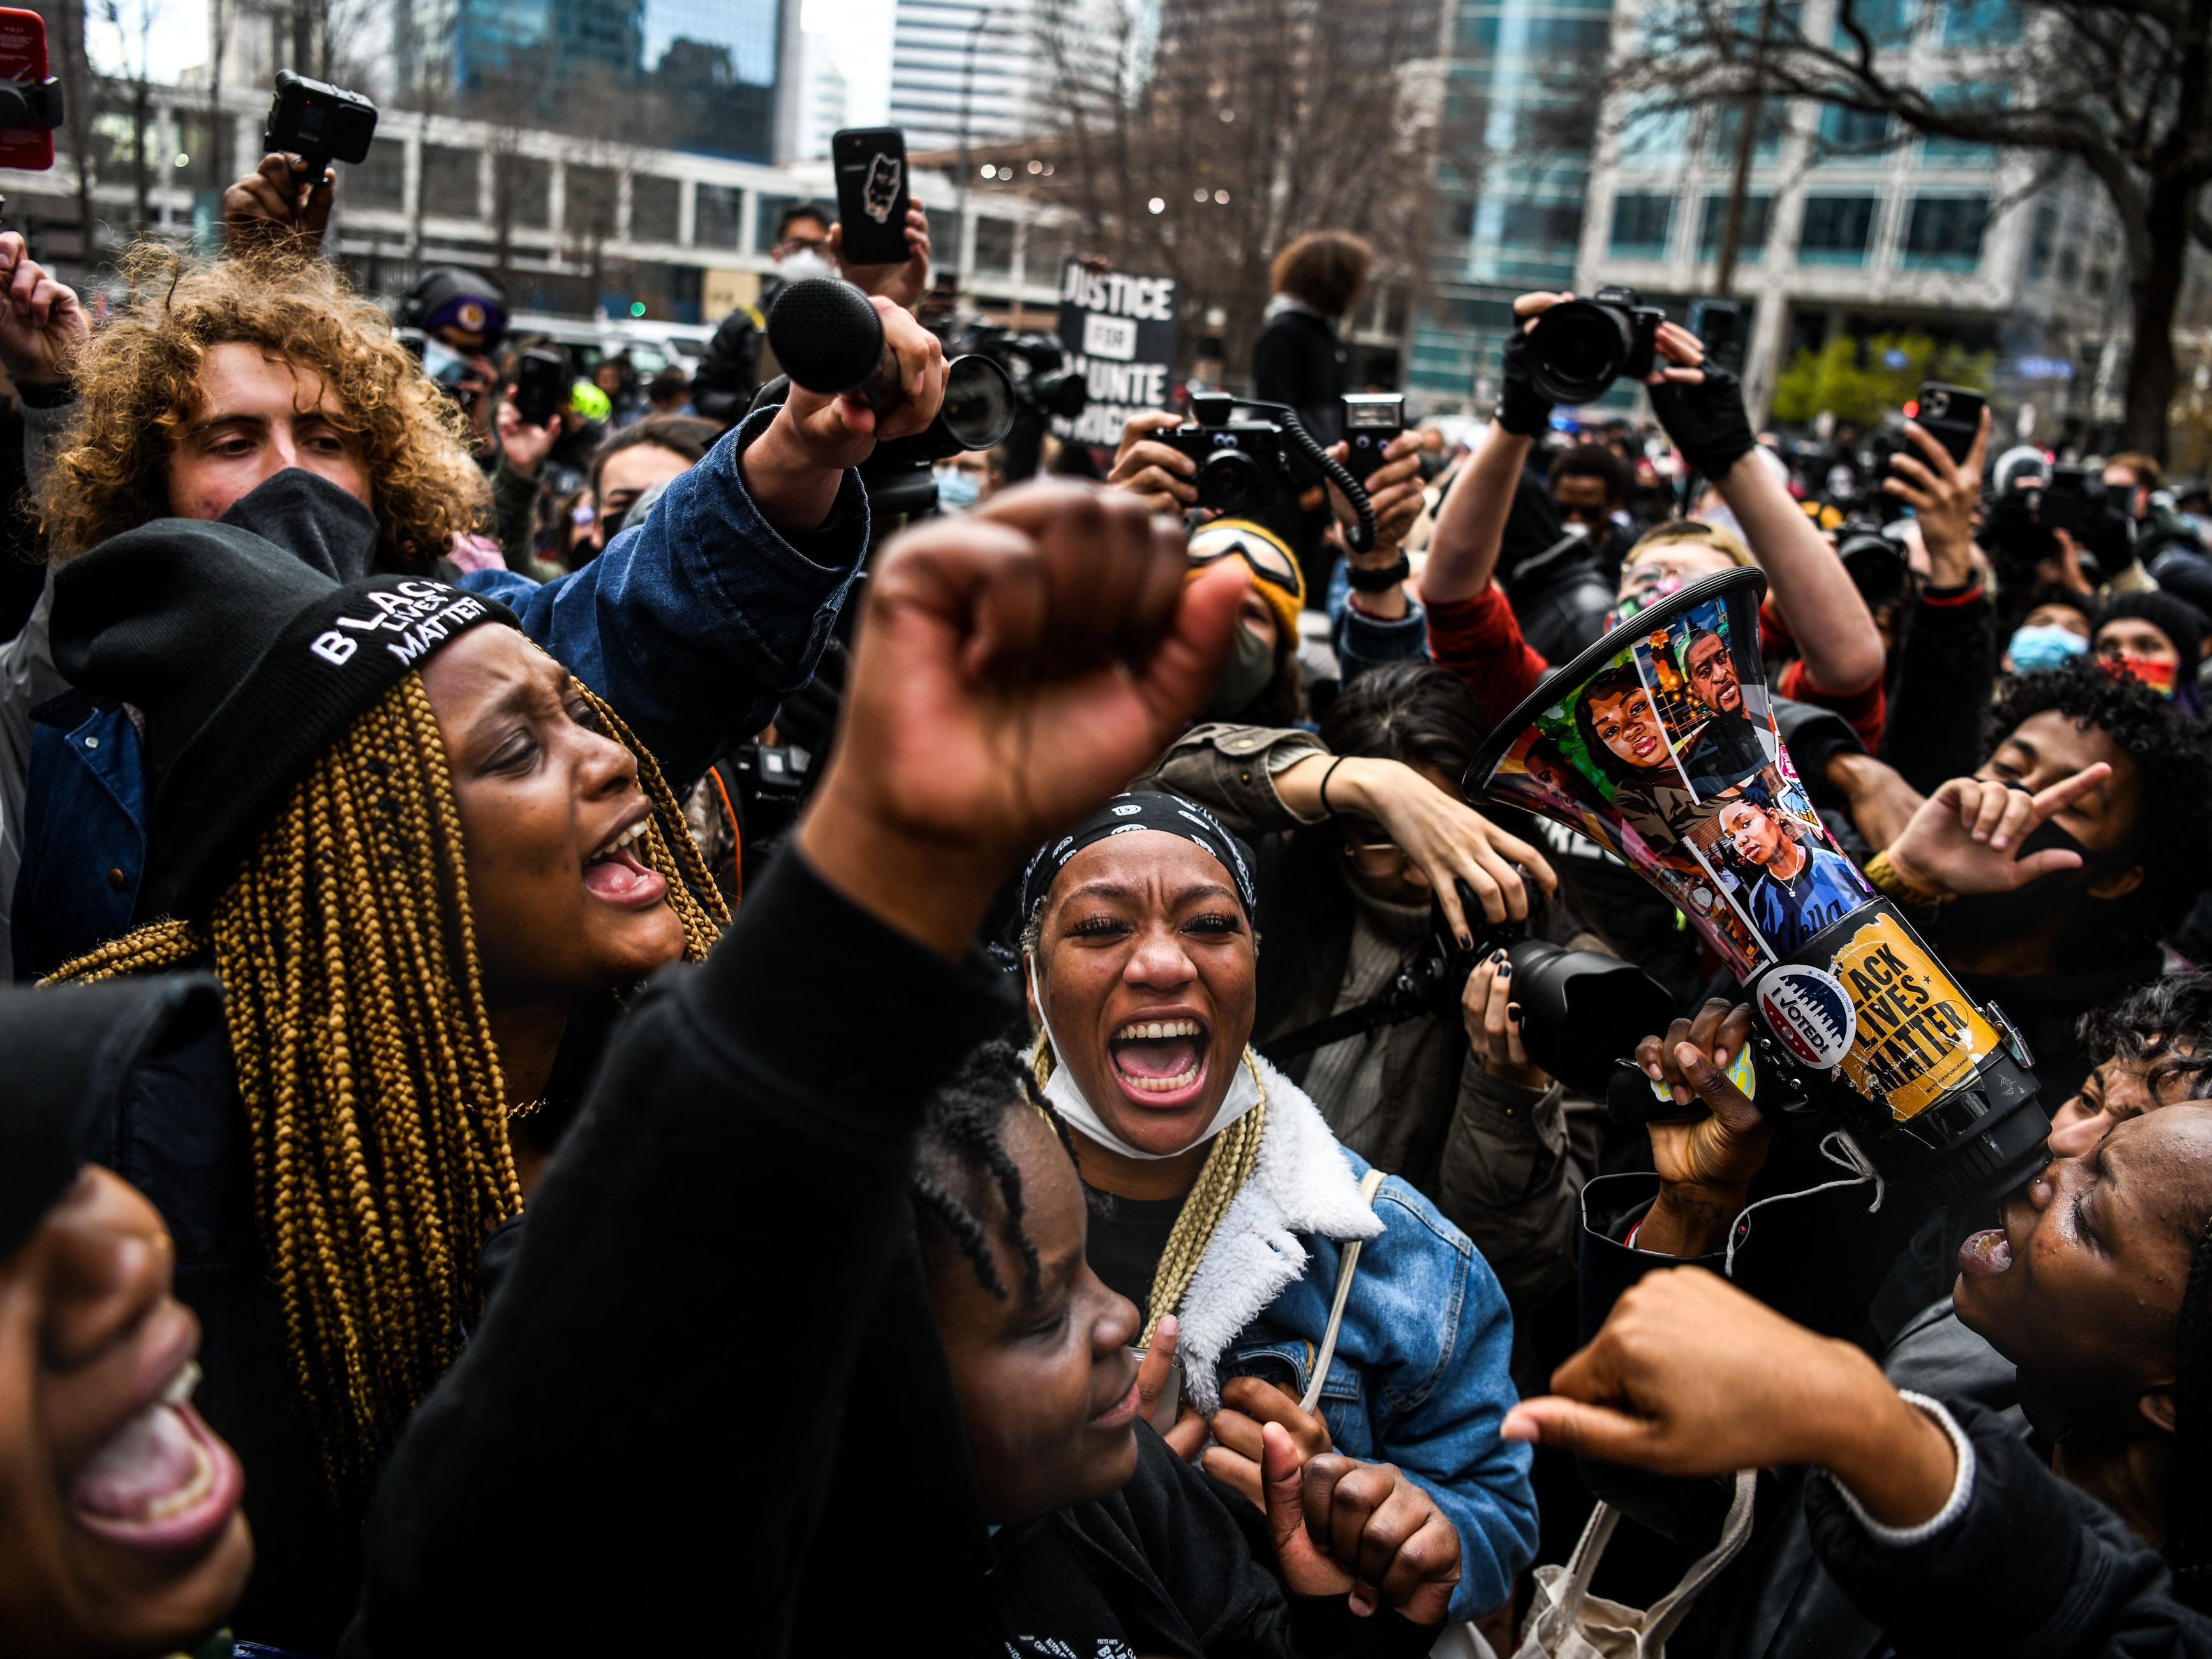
(1119, 331)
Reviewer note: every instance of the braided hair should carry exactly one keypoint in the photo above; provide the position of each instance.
(963, 1140)
(363, 1050)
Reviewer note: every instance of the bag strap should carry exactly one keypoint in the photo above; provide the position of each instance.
(1670, 1609)
(1368, 1185)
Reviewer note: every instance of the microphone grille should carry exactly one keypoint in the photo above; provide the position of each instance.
(826, 334)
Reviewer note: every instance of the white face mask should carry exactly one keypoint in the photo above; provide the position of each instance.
(802, 262)
(1066, 1098)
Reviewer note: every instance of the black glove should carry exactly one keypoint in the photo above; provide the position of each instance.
(1522, 410)
(1707, 421)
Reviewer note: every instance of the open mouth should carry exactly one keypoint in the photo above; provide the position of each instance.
(617, 874)
(1160, 1062)
(162, 1480)
(1988, 1252)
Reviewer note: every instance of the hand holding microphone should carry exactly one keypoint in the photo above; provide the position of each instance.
(862, 370)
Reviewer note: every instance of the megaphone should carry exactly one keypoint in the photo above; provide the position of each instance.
(1658, 742)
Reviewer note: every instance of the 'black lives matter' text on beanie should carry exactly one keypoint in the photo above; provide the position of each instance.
(247, 665)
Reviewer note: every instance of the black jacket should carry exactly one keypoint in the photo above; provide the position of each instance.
(2033, 1569)
(1939, 688)
(707, 1410)
(1299, 360)
(1171, 1564)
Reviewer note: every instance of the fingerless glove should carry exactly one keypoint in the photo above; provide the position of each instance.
(1707, 421)
(1522, 410)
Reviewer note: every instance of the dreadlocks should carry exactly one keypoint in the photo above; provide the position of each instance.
(364, 1056)
(961, 1141)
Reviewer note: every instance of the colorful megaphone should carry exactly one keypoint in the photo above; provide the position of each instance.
(1659, 744)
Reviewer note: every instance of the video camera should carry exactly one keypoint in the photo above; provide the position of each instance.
(1582, 1011)
(1878, 562)
(318, 122)
(1579, 348)
(1257, 469)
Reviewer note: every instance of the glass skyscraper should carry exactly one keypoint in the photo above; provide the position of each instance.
(1512, 176)
(697, 75)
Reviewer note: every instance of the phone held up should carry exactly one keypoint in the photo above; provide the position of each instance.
(1951, 415)
(30, 98)
(870, 163)
(1372, 420)
(541, 384)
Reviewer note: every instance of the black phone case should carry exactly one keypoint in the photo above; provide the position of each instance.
(871, 193)
(1954, 428)
(538, 388)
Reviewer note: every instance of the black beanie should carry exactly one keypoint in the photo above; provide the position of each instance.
(247, 665)
(2172, 614)
(65, 1053)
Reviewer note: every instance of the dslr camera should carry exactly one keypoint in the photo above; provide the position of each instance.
(1037, 364)
(1579, 348)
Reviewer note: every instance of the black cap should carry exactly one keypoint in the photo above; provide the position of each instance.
(65, 1053)
(2173, 616)
(247, 665)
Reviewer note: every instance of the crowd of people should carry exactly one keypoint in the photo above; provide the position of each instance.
(612, 1050)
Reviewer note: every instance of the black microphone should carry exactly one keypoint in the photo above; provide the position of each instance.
(830, 340)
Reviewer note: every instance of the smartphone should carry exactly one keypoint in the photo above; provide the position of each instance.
(541, 384)
(23, 59)
(871, 193)
(1371, 419)
(1718, 324)
(1952, 415)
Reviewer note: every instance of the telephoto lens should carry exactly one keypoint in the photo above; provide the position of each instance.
(1579, 348)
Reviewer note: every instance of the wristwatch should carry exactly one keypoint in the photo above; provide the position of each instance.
(1380, 579)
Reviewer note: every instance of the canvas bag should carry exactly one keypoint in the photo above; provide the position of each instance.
(1568, 1622)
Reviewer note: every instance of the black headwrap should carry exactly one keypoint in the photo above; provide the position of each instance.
(1142, 809)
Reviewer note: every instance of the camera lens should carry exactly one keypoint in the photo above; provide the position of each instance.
(979, 403)
(1578, 348)
(1581, 1009)
(1229, 481)
(1063, 392)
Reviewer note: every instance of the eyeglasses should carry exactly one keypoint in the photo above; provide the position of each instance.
(793, 244)
(1286, 581)
(1371, 852)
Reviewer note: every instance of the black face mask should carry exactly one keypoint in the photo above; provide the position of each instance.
(1250, 669)
(1991, 917)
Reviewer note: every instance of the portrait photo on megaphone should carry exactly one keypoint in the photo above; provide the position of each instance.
(1660, 743)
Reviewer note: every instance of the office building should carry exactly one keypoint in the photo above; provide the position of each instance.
(971, 66)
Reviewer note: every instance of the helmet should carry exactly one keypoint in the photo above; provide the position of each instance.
(454, 296)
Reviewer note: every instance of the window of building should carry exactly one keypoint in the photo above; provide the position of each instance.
(2042, 240)
(995, 245)
(1458, 222)
(592, 201)
(522, 190)
(1980, 22)
(1540, 224)
(655, 207)
(1653, 135)
(1945, 232)
(1836, 230)
(450, 182)
(1640, 225)
(771, 209)
(1751, 231)
(1889, 24)
(716, 215)
(382, 180)
(1962, 152)
(1848, 135)
(1724, 132)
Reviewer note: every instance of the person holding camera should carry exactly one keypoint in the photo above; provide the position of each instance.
(1472, 630)
(263, 391)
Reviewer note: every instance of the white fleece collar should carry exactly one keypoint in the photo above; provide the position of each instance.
(1300, 1184)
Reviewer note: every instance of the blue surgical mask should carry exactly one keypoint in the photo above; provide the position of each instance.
(2047, 645)
(958, 488)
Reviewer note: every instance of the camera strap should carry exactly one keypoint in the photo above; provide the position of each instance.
(1396, 1003)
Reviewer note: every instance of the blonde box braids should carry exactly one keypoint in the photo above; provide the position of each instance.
(1227, 1168)
(364, 1056)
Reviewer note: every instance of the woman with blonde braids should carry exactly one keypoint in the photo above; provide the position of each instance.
(1221, 1200)
(425, 863)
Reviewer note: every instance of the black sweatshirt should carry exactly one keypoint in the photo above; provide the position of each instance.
(707, 1410)
(1171, 1564)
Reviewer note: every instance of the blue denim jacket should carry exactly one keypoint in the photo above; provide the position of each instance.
(692, 626)
(1363, 642)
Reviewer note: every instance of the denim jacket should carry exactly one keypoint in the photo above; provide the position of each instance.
(1420, 1377)
(692, 625)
